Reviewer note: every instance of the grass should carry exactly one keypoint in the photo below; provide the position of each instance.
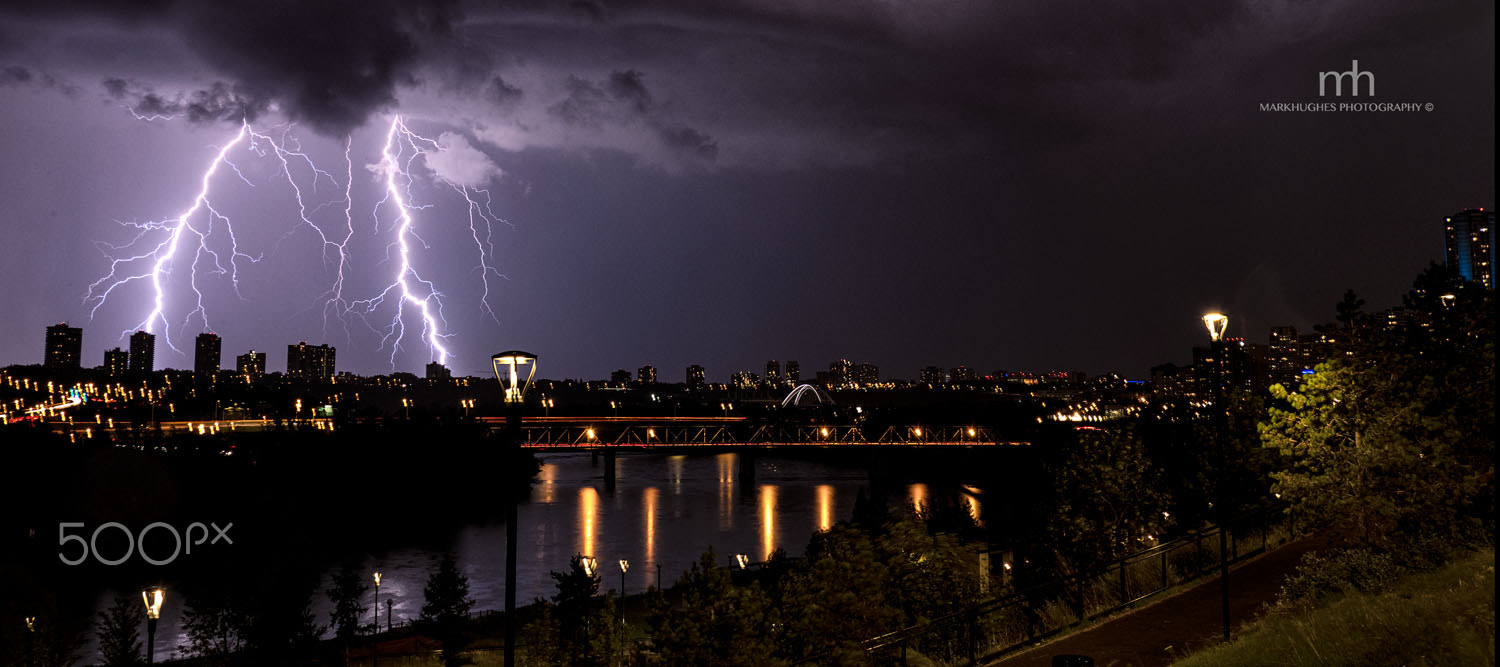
(1442, 617)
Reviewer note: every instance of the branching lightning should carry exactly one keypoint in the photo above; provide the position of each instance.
(402, 149)
(153, 254)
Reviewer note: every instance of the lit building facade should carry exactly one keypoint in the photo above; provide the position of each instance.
(646, 374)
(142, 352)
(310, 362)
(695, 377)
(207, 354)
(64, 347)
(1468, 244)
(252, 364)
(116, 363)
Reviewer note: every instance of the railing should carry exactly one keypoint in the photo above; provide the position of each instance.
(1019, 618)
(611, 433)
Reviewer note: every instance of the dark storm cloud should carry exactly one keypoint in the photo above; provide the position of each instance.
(502, 93)
(624, 99)
(218, 102)
(329, 64)
(16, 75)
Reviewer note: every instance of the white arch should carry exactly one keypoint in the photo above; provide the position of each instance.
(795, 397)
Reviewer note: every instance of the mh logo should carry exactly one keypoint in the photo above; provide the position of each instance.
(1338, 81)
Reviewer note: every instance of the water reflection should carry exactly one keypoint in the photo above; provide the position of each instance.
(825, 506)
(767, 521)
(588, 515)
(726, 490)
(648, 505)
(546, 483)
(918, 496)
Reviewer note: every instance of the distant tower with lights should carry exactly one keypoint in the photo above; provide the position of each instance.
(142, 352)
(64, 347)
(207, 354)
(1468, 244)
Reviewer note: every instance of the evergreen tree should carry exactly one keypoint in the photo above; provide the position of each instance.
(347, 595)
(446, 608)
(118, 632)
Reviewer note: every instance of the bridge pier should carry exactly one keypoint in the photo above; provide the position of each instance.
(746, 472)
(609, 470)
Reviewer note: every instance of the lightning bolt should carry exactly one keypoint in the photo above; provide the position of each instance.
(160, 255)
(140, 259)
(427, 300)
(402, 149)
(153, 253)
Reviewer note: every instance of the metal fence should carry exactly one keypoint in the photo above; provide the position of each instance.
(1016, 619)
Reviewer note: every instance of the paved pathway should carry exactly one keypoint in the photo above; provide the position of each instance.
(1175, 626)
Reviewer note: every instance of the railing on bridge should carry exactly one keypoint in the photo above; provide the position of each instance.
(612, 432)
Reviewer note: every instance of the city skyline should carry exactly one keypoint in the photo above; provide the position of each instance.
(899, 185)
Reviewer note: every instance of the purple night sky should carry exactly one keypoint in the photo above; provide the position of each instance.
(1028, 186)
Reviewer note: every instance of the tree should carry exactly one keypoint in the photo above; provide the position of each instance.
(714, 622)
(576, 589)
(446, 608)
(837, 600)
(446, 596)
(214, 625)
(118, 632)
(1107, 498)
(1349, 309)
(929, 574)
(347, 595)
(1392, 444)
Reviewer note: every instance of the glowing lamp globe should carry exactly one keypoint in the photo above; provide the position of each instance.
(509, 376)
(1216, 323)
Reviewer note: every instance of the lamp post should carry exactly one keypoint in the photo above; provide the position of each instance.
(514, 394)
(1216, 324)
(375, 641)
(624, 565)
(742, 560)
(388, 625)
(153, 597)
(30, 639)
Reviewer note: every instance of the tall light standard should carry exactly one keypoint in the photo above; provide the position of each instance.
(153, 597)
(624, 565)
(375, 642)
(30, 640)
(1216, 324)
(514, 395)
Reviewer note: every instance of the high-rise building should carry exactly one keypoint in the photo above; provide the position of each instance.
(932, 375)
(866, 373)
(695, 376)
(142, 352)
(773, 372)
(1469, 241)
(1284, 357)
(252, 364)
(793, 372)
(310, 362)
(116, 363)
(646, 374)
(620, 376)
(207, 354)
(744, 380)
(962, 374)
(64, 347)
(437, 371)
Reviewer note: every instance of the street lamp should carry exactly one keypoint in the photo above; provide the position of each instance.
(590, 565)
(515, 390)
(1216, 324)
(375, 643)
(514, 395)
(153, 597)
(742, 560)
(624, 565)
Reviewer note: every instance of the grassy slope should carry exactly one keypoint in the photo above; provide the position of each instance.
(1444, 617)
